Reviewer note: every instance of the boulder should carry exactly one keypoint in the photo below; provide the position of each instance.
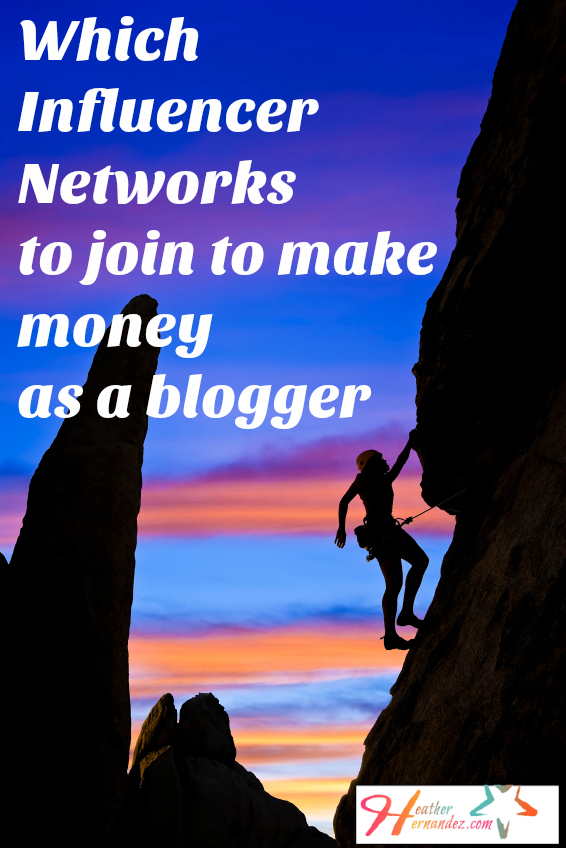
(158, 730)
(204, 729)
(207, 800)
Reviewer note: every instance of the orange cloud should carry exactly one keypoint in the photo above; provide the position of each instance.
(259, 506)
(316, 797)
(225, 504)
(292, 654)
(270, 745)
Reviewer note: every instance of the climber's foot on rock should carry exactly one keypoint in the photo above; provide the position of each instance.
(405, 619)
(393, 641)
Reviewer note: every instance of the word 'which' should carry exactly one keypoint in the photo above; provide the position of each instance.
(164, 401)
(49, 42)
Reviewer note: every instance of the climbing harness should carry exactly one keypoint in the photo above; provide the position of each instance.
(362, 531)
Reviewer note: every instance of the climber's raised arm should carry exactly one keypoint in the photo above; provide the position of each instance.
(401, 459)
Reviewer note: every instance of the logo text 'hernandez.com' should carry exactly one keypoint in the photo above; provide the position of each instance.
(456, 814)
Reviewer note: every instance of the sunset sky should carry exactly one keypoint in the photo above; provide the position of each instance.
(239, 588)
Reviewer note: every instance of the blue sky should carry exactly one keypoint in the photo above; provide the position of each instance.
(402, 89)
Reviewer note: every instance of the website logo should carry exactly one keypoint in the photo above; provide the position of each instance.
(464, 815)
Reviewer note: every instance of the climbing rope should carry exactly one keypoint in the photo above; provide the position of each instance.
(402, 521)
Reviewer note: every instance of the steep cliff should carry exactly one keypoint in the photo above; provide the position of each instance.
(71, 579)
(480, 695)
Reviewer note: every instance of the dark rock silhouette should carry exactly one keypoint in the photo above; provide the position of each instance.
(158, 729)
(193, 793)
(204, 730)
(158, 803)
(71, 575)
(480, 696)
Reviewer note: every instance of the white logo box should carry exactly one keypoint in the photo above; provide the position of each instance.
(457, 815)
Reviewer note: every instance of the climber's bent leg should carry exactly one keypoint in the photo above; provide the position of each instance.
(412, 553)
(393, 573)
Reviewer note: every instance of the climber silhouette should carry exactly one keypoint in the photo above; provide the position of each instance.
(387, 541)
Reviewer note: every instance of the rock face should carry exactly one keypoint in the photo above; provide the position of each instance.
(480, 695)
(72, 572)
(193, 794)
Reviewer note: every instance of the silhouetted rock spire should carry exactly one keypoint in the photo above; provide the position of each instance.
(72, 575)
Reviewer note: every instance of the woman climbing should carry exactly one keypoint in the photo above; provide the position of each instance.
(387, 541)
